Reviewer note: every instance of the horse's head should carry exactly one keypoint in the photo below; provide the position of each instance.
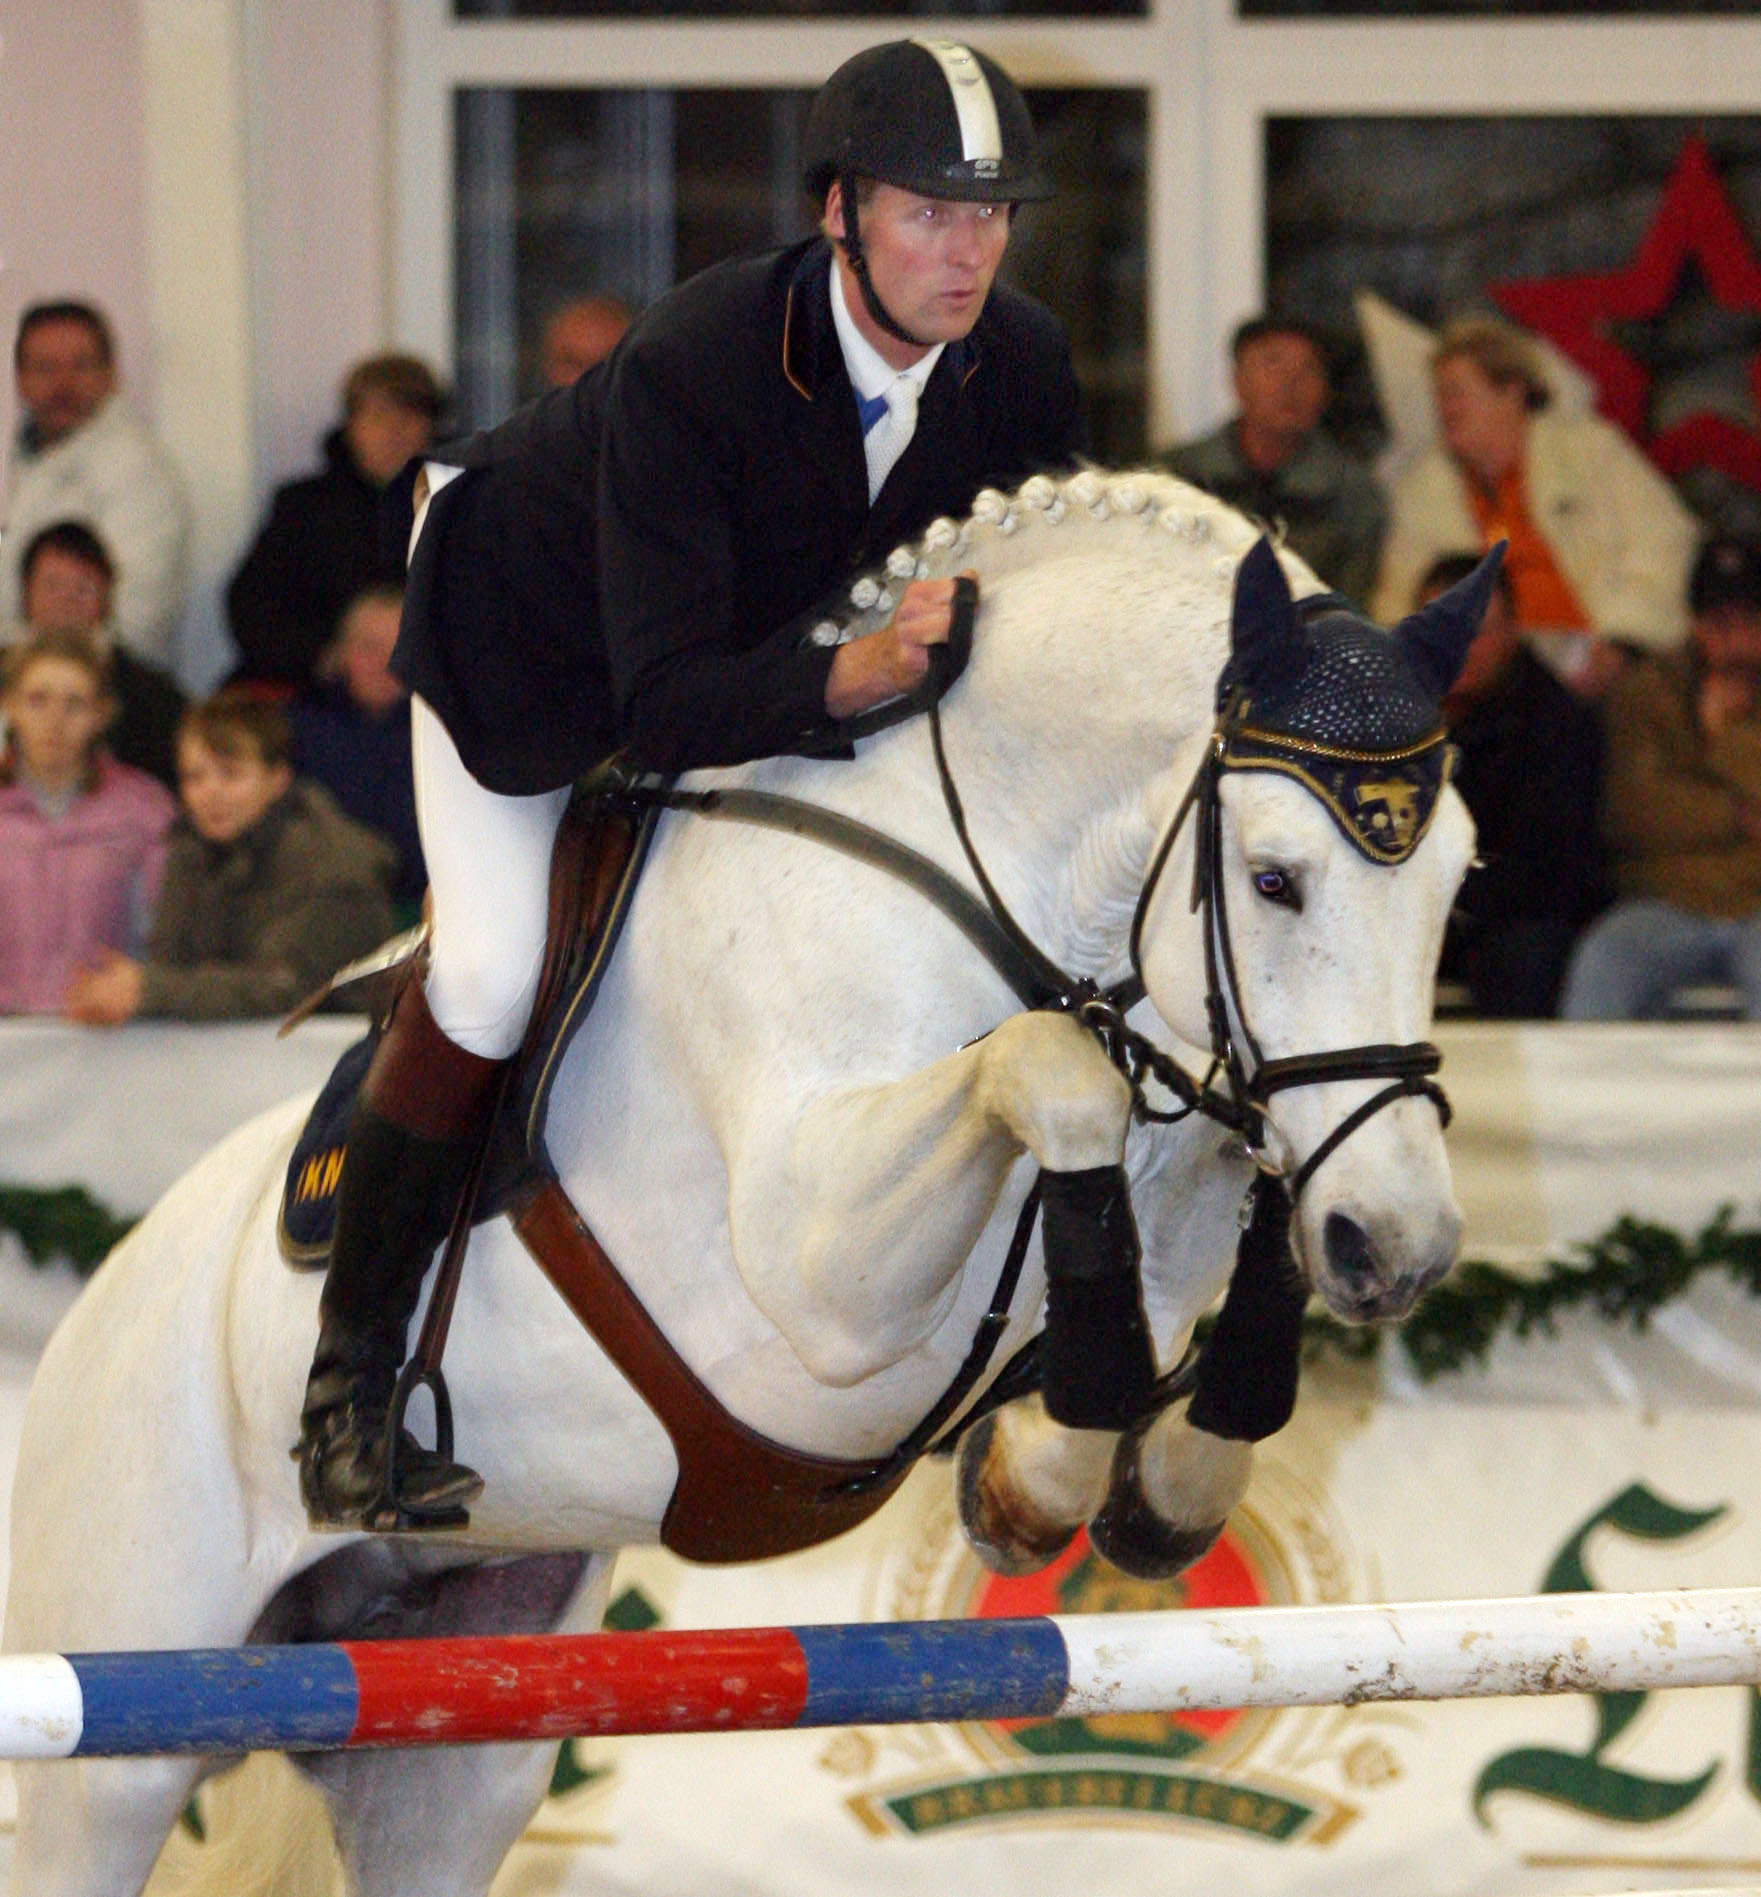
(1330, 845)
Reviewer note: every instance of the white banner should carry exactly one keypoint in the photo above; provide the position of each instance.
(1472, 1799)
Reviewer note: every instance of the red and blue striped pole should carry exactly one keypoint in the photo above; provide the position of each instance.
(470, 1691)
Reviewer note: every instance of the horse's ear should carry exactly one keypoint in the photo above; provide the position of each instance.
(1437, 636)
(1266, 633)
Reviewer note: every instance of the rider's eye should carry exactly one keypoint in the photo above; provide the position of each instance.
(1278, 886)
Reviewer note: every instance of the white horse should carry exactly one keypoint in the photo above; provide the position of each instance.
(803, 1116)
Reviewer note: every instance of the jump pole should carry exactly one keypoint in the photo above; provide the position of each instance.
(472, 1691)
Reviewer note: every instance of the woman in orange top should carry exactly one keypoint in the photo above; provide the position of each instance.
(1599, 544)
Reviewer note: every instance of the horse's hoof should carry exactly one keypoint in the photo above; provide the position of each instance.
(1147, 1548)
(1129, 1533)
(1006, 1540)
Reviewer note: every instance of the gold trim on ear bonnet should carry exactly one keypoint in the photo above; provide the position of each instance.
(1352, 712)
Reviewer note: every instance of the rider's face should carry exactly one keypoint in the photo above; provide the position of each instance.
(931, 262)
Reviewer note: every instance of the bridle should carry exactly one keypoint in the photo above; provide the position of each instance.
(1248, 1080)
(1251, 1080)
(1238, 1084)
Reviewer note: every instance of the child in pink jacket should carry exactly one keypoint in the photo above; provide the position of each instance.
(82, 838)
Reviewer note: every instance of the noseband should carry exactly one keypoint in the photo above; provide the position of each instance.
(1252, 1079)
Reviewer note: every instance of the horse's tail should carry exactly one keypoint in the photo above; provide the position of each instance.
(265, 1834)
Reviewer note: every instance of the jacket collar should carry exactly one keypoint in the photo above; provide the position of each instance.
(813, 358)
(239, 856)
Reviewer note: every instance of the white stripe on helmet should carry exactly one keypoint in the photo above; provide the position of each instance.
(981, 136)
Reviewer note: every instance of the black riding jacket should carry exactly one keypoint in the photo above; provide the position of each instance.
(624, 560)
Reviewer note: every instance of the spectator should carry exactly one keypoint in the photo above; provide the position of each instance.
(69, 586)
(328, 537)
(1599, 544)
(577, 336)
(1275, 461)
(268, 888)
(1529, 765)
(352, 735)
(82, 456)
(82, 838)
(1683, 810)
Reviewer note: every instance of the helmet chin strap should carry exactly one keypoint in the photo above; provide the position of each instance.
(859, 267)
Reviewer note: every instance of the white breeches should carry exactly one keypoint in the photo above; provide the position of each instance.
(489, 878)
(488, 862)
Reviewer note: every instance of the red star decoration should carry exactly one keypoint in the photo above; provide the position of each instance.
(1694, 220)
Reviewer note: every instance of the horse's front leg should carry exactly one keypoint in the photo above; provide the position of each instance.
(854, 1217)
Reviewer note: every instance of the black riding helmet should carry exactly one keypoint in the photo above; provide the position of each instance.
(930, 116)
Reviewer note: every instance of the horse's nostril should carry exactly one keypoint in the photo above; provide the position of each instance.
(1348, 1250)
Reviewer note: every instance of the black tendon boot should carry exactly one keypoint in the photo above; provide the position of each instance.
(1098, 1366)
(410, 1145)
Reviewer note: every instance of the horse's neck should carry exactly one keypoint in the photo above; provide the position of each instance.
(1082, 715)
(1070, 764)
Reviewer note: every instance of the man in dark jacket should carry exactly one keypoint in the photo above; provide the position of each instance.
(68, 584)
(327, 538)
(1276, 462)
(352, 735)
(1529, 766)
(626, 559)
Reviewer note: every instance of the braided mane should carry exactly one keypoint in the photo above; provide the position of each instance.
(1006, 531)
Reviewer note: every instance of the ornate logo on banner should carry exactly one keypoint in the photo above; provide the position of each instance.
(1270, 1777)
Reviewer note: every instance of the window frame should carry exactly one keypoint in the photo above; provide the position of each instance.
(1212, 79)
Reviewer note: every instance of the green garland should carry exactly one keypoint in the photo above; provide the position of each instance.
(1625, 1276)
(61, 1222)
(1630, 1272)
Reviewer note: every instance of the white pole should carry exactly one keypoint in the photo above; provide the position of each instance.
(466, 1691)
(1324, 1656)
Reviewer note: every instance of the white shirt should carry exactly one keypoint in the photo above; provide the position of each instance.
(871, 375)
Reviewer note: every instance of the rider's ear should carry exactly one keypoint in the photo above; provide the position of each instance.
(1266, 633)
(1437, 636)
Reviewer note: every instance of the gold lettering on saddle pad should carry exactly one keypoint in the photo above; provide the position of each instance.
(318, 1176)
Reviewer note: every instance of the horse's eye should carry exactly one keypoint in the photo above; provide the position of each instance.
(1278, 886)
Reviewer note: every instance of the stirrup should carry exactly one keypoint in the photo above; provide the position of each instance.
(391, 1511)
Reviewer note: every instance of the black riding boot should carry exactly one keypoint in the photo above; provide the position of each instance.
(414, 1133)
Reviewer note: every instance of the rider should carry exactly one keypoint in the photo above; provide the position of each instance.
(623, 560)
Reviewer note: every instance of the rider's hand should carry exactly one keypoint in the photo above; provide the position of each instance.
(869, 671)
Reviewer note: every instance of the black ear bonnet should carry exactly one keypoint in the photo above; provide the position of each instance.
(1353, 712)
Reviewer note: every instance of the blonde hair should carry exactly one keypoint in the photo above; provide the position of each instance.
(75, 648)
(1501, 352)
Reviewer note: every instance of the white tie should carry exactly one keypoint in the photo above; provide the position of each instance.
(891, 435)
